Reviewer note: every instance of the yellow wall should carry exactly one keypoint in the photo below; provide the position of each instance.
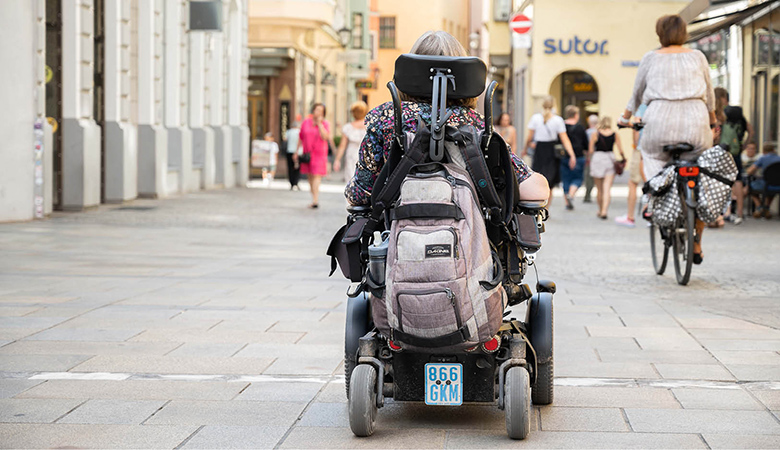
(412, 19)
(628, 26)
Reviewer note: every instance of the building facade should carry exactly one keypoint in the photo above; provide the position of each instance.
(118, 99)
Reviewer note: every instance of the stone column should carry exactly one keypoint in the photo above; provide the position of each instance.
(81, 135)
(152, 136)
(121, 135)
(179, 134)
(202, 136)
(237, 32)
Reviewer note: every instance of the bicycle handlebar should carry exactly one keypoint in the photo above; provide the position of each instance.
(636, 126)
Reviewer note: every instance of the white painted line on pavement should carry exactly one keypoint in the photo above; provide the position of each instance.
(338, 379)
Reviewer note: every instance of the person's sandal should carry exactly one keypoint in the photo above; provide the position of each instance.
(314, 206)
(698, 258)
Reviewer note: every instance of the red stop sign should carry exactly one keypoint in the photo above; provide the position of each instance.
(520, 24)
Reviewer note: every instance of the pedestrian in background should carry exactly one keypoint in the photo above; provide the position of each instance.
(504, 127)
(635, 176)
(572, 178)
(768, 158)
(593, 123)
(733, 129)
(545, 131)
(264, 157)
(352, 135)
(674, 82)
(315, 137)
(602, 162)
(291, 138)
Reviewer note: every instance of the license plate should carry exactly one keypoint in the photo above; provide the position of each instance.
(443, 384)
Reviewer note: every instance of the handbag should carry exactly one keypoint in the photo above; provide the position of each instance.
(620, 166)
(558, 151)
(304, 158)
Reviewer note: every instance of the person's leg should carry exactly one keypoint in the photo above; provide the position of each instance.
(314, 180)
(597, 183)
(566, 174)
(737, 190)
(291, 169)
(588, 183)
(605, 191)
(697, 241)
(631, 200)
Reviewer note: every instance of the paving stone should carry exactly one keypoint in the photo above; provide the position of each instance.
(764, 358)
(737, 441)
(649, 320)
(583, 419)
(40, 363)
(492, 439)
(383, 438)
(464, 417)
(215, 335)
(328, 415)
(119, 412)
(333, 392)
(762, 333)
(740, 345)
(35, 410)
(10, 387)
(702, 421)
(668, 343)
(719, 323)
(30, 322)
(87, 348)
(180, 412)
(604, 370)
(280, 392)
(233, 437)
(769, 398)
(749, 372)
(174, 365)
(17, 311)
(204, 349)
(655, 356)
(614, 397)
(84, 334)
(33, 436)
(731, 399)
(693, 371)
(135, 390)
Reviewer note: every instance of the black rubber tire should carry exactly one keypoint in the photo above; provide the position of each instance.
(517, 403)
(362, 400)
(358, 323)
(350, 361)
(541, 323)
(543, 391)
(658, 249)
(683, 244)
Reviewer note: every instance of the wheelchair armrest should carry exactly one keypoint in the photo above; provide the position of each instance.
(359, 210)
(532, 205)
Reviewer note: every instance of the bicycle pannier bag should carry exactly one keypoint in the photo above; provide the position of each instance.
(665, 204)
(717, 173)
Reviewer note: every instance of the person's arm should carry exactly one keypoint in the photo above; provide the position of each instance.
(528, 142)
(749, 132)
(640, 84)
(340, 151)
(592, 143)
(512, 141)
(567, 145)
(754, 168)
(370, 161)
(532, 185)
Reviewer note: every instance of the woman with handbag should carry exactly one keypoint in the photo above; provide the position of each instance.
(547, 136)
(314, 138)
(603, 166)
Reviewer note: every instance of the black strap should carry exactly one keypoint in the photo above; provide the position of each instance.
(715, 176)
(498, 274)
(458, 336)
(478, 170)
(427, 211)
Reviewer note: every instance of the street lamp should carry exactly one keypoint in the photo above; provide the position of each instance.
(344, 35)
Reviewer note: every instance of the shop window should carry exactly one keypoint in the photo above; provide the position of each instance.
(357, 30)
(763, 44)
(774, 107)
(387, 32)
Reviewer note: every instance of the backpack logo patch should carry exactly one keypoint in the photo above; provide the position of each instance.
(438, 251)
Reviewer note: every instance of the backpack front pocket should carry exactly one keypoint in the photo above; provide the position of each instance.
(425, 254)
(430, 311)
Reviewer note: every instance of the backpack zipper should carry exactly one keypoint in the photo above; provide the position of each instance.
(447, 291)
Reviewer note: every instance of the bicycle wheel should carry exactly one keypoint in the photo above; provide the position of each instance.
(682, 240)
(659, 248)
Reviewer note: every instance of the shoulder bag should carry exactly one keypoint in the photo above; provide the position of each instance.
(558, 150)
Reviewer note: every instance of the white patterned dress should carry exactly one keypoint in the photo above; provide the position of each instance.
(677, 90)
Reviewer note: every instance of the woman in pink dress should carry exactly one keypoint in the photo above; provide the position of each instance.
(315, 136)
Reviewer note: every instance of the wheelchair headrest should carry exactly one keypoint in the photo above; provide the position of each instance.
(413, 75)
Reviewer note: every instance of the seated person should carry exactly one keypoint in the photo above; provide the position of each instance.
(769, 157)
(375, 148)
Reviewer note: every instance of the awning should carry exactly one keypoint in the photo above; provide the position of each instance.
(723, 22)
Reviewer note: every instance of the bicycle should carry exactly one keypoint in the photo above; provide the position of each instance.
(682, 235)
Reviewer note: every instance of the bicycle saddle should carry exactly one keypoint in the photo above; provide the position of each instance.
(678, 149)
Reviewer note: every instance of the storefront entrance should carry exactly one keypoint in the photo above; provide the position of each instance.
(578, 88)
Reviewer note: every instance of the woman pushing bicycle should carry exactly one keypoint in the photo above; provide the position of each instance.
(674, 83)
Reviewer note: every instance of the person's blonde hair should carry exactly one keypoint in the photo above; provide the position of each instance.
(605, 123)
(547, 106)
(439, 43)
(358, 110)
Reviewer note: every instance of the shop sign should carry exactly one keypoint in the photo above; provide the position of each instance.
(575, 45)
(364, 84)
(583, 87)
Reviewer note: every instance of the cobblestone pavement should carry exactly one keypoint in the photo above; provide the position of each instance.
(208, 321)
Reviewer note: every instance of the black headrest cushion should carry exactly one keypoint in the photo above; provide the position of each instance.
(413, 75)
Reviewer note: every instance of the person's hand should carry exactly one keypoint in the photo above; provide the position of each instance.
(295, 159)
(336, 165)
(623, 120)
(572, 162)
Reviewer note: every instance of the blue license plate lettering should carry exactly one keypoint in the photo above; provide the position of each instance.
(444, 384)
